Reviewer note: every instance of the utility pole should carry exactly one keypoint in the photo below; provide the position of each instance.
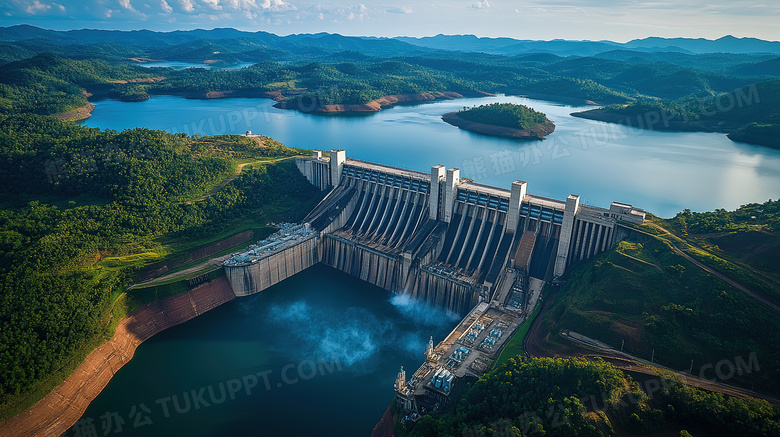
(622, 342)
(690, 371)
(652, 358)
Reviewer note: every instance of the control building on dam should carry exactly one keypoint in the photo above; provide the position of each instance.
(444, 240)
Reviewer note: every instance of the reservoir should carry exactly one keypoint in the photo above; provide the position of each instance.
(318, 353)
(661, 172)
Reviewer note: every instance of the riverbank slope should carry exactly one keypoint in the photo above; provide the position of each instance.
(63, 406)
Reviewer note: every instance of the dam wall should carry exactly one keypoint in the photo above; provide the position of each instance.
(370, 265)
(443, 240)
(257, 275)
(443, 292)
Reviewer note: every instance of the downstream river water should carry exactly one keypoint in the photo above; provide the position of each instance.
(317, 354)
(314, 355)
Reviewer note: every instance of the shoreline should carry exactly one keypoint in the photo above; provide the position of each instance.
(375, 105)
(537, 132)
(61, 408)
(279, 96)
(371, 107)
(668, 123)
(77, 114)
(574, 101)
(656, 121)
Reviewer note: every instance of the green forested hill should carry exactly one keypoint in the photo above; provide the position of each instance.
(49, 84)
(103, 198)
(654, 302)
(505, 115)
(750, 113)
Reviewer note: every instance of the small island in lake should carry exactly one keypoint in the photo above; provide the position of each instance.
(505, 120)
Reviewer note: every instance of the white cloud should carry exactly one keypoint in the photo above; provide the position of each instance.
(481, 4)
(401, 10)
(213, 4)
(187, 5)
(36, 7)
(166, 7)
(255, 6)
(351, 13)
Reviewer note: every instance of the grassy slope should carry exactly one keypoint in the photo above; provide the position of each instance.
(644, 293)
(747, 250)
(514, 346)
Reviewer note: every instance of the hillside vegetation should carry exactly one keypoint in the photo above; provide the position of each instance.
(505, 115)
(85, 209)
(50, 84)
(658, 304)
(684, 86)
(578, 397)
(746, 242)
(748, 114)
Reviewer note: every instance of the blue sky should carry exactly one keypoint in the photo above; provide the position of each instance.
(617, 20)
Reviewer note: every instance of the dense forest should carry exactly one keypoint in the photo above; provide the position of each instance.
(49, 84)
(505, 115)
(748, 114)
(578, 397)
(747, 217)
(733, 93)
(104, 198)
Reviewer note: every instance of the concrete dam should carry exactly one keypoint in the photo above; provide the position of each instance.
(482, 252)
(443, 240)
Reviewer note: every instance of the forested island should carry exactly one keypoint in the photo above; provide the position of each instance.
(505, 120)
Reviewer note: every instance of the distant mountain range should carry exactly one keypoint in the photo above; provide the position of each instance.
(509, 46)
(225, 44)
(230, 39)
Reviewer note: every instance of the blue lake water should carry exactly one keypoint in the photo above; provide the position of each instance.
(662, 172)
